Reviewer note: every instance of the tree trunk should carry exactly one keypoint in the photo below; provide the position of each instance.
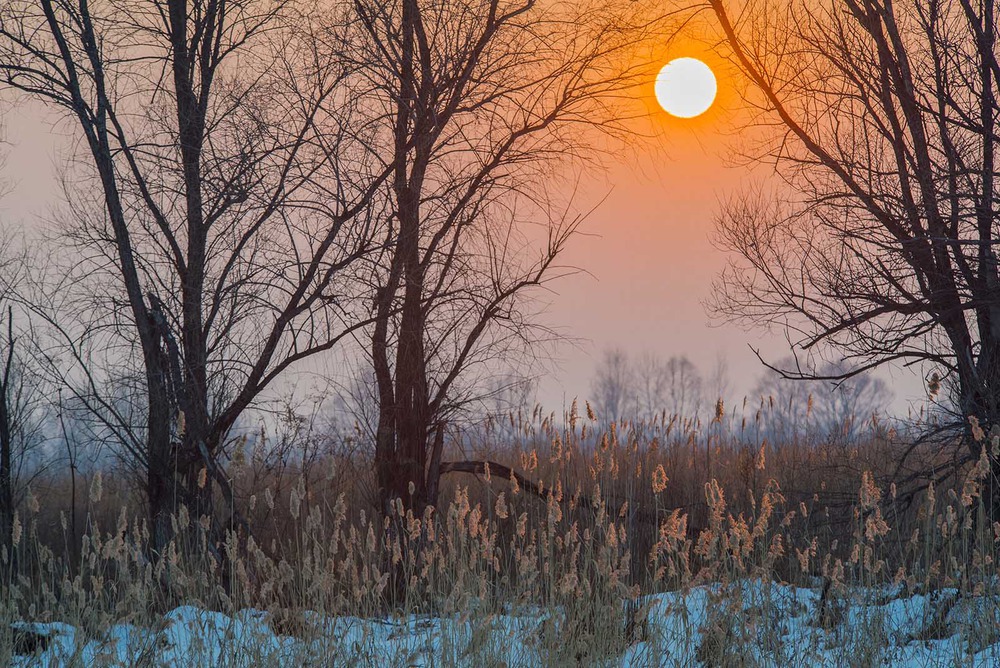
(6, 467)
(404, 415)
(193, 393)
(411, 379)
(161, 488)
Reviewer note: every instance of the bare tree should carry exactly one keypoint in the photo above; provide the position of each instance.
(819, 410)
(882, 245)
(646, 387)
(507, 393)
(21, 396)
(6, 408)
(673, 385)
(6, 365)
(613, 390)
(224, 219)
(718, 382)
(483, 101)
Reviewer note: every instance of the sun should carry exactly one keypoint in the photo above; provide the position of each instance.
(686, 87)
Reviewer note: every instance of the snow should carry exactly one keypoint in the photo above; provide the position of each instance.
(766, 624)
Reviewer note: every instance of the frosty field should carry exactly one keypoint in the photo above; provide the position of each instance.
(751, 623)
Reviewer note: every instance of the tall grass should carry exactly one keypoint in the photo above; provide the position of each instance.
(628, 510)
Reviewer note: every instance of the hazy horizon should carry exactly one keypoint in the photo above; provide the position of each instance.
(644, 254)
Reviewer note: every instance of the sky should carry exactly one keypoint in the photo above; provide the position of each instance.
(649, 257)
(649, 265)
(646, 253)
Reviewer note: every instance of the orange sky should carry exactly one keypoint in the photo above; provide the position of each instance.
(649, 253)
(647, 248)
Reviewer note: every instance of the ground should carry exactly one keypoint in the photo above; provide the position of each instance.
(750, 623)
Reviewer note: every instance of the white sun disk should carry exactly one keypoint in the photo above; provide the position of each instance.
(686, 87)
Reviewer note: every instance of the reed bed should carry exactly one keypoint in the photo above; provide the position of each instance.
(665, 542)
